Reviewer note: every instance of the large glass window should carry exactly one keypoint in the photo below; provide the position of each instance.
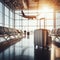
(16, 22)
(1, 18)
(58, 20)
(11, 19)
(0, 7)
(1, 15)
(16, 16)
(25, 23)
(6, 21)
(11, 14)
(6, 17)
(6, 11)
(11, 23)
(32, 24)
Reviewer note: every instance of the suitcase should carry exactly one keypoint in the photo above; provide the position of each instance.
(41, 44)
(41, 38)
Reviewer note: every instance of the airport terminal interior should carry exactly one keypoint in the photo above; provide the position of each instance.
(29, 29)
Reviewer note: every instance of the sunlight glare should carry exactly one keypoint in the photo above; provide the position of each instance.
(46, 9)
(45, 12)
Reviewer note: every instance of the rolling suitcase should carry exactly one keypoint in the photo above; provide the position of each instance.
(41, 38)
(41, 43)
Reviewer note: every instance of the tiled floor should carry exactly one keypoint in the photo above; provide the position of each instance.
(24, 50)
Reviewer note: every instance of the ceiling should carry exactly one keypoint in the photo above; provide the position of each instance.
(32, 4)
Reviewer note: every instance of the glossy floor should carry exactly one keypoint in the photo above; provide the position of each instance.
(24, 50)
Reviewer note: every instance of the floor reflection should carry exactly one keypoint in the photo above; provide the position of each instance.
(42, 54)
(24, 50)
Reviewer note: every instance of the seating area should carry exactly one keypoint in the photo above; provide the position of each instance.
(10, 33)
(9, 36)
